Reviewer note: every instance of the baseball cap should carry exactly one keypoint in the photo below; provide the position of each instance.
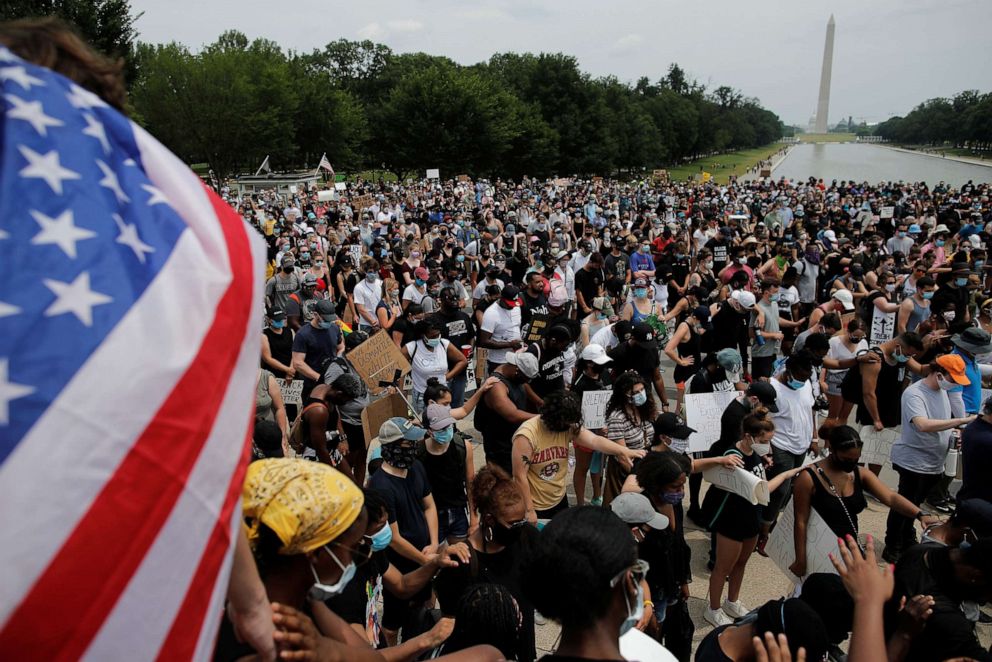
(954, 365)
(276, 314)
(288, 260)
(765, 392)
(595, 353)
(672, 425)
(397, 428)
(439, 416)
(729, 359)
(309, 280)
(846, 298)
(325, 309)
(640, 282)
(621, 330)
(510, 294)
(634, 508)
(726, 231)
(961, 268)
(644, 335)
(421, 273)
(702, 313)
(744, 298)
(525, 363)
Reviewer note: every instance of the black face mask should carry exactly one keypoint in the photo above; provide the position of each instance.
(847, 466)
(399, 457)
(504, 535)
(287, 270)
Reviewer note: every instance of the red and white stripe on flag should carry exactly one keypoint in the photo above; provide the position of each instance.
(120, 503)
(326, 165)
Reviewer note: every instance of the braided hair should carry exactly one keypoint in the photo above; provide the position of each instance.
(487, 614)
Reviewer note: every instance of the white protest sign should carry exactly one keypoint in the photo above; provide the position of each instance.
(882, 327)
(877, 447)
(325, 196)
(340, 186)
(886, 212)
(702, 414)
(433, 173)
(820, 541)
(292, 392)
(594, 409)
(355, 250)
(739, 481)
(292, 188)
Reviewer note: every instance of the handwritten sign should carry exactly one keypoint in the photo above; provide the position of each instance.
(355, 251)
(882, 327)
(877, 447)
(464, 178)
(381, 411)
(820, 541)
(594, 409)
(660, 175)
(292, 392)
(886, 212)
(362, 202)
(377, 359)
(702, 413)
(433, 173)
(538, 325)
(740, 482)
(340, 186)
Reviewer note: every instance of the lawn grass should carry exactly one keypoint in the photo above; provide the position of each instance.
(722, 166)
(964, 151)
(826, 137)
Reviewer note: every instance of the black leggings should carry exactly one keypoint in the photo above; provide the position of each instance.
(899, 532)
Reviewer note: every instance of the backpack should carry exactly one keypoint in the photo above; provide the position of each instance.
(457, 440)
(851, 389)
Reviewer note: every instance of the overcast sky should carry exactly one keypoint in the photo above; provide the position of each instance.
(888, 54)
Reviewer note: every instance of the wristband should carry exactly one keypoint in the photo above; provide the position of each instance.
(648, 603)
(919, 515)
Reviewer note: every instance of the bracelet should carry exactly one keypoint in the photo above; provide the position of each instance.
(919, 515)
(648, 603)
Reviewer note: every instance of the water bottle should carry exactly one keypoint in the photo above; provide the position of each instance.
(951, 462)
(759, 338)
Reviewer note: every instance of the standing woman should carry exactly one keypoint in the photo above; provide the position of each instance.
(735, 520)
(788, 307)
(835, 488)
(844, 346)
(685, 348)
(431, 356)
(388, 310)
(346, 279)
(630, 415)
(641, 306)
(591, 376)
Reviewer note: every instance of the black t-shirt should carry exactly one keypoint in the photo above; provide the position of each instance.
(617, 265)
(626, 357)
(456, 327)
(446, 474)
(533, 306)
(719, 250)
(404, 500)
(404, 326)
(550, 370)
(352, 604)
(281, 348)
(318, 346)
(709, 648)
(589, 282)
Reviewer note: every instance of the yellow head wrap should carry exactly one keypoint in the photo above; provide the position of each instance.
(306, 504)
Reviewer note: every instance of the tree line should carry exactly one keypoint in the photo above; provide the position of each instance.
(236, 101)
(964, 120)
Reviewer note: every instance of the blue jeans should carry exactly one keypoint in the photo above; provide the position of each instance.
(457, 386)
(452, 523)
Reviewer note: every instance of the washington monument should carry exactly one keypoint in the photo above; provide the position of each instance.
(823, 105)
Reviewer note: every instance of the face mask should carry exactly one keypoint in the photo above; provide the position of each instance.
(320, 592)
(902, 234)
(761, 449)
(634, 614)
(795, 384)
(432, 342)
(673, 497)
(939, 242)
(960, 282)
(444, 436)
(927, 296)
(900, 357)
(419, 281)
(504, 535)
(945, 384)
(399, 457)
(890, 287)
(640, 292)
(370, 277)
(979, 264)
(639, 398)
(324, 324)
(287, 270)
(949, 315)
(773, 297)
(645, 249)
(460, 258)
(847, 466)
(382, 538)
(277, 325)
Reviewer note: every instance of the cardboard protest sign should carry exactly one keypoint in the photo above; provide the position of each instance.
(594, 409)
(292, 392)
(660, 175)
(702, 413)
(362, 202)
(820, 541)
(464, 178)
(538, 325)
(742, 483)
(378, 358)
(886, 212)
(433, 173)
(381, 411)
(765, 172)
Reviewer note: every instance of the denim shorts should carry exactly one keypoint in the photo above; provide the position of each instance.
(452, 523)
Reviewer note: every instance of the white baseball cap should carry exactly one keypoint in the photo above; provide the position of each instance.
(744, 298)
(595, 353)
(846, 298)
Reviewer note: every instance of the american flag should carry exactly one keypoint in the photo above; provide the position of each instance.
(129, 346)
(325, 164)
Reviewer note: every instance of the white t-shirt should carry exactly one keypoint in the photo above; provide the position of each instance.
(838, 350)
(368, 295)
(605, 338)
(411, 293)
(794, 420)
(427, 363)
(480, 287)
(504, 325)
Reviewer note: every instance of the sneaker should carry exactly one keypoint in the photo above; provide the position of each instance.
(945, 506)
(735, 609)
(716, 617)
(596, 501)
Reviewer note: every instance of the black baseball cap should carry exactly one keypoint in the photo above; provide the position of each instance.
(644, 335)
(672, 425)
(276, 314)
(765, 393)
(621, 330)
(325, 309)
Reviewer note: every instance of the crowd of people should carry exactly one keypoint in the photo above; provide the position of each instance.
(840, 313)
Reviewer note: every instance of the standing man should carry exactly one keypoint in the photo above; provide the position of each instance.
(283, 283)
(316, 344)
(918, 455)
(953, 297)
(766, 331)
(589, 282)
(367, 294)
(808, 269)
(503, 407)
(500, 328)
(640, 354)
(795, 432)
(456, 327)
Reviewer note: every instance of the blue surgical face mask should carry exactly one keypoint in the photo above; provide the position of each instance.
(773, 297)
(900, 357)
(635, 612)
(927, 295)
(419, 282)
(939, 242)
(794, 383)
(432, 342)
(639, 398)
(960, 282)
(460, 258)
(320, 592)
(640, 292)
(277, 325)
(444, 436)
(382, 538)
(979, 264)
(673, 497)
(370, 277)
(325, 324)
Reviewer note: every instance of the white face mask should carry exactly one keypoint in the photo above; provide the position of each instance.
(634, 614)
(945, 384)
(761, 449)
